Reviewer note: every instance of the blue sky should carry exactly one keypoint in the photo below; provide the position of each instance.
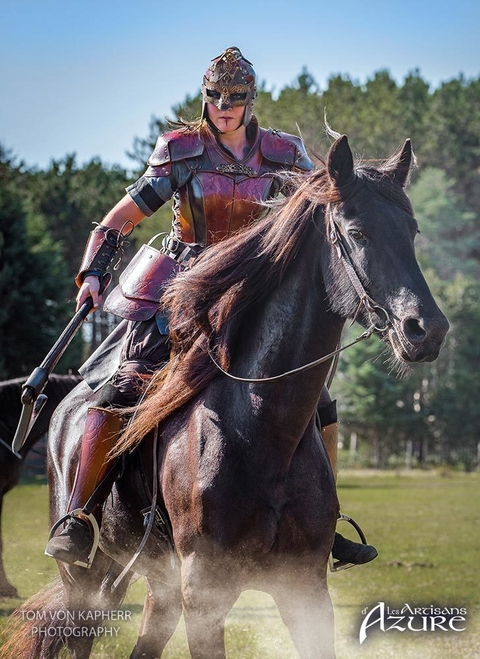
(87, 76)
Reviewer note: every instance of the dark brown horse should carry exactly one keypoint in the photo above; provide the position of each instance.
(10, 465)
(242, 472)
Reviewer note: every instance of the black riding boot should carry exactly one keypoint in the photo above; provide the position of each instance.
(356, 553)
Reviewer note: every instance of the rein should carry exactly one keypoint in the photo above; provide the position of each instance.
(338, 241)
(149, 520)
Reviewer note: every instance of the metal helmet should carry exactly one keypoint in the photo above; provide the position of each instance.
(229, 81)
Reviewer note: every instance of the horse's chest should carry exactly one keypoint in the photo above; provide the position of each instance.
(226, 485)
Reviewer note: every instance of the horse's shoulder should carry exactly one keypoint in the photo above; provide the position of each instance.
(286, 149)
(175, 146)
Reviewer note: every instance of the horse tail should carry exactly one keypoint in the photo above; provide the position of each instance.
(36, 630)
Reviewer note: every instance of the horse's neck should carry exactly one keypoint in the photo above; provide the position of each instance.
(57, 388)
(292, 328)
(10, 406)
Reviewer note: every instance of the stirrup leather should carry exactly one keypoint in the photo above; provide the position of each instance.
(337, 566)
(95, 529)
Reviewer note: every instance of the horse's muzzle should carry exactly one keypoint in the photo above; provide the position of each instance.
(417, 339)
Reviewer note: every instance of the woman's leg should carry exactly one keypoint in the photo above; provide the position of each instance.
(144, 351)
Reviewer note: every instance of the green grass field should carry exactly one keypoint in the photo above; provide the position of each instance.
(426, 526)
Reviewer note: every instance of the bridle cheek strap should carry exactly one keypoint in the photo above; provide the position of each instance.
(372, 309)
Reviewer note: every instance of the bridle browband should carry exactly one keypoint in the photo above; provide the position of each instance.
(366, 302)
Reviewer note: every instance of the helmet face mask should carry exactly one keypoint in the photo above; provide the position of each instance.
(230, 82)
(226, 97)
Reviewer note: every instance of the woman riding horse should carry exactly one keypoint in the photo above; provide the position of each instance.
(217, 170)
(240, 474)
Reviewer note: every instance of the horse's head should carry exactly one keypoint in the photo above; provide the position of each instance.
(373, 229)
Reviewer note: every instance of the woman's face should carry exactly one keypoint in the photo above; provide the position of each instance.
(226, 121)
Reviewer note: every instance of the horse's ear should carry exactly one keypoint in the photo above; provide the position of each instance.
(340, 162)
(400, 164)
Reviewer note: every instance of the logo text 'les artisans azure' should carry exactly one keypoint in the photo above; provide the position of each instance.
(413, 619)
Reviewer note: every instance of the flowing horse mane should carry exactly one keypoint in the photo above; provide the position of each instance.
(206, 303)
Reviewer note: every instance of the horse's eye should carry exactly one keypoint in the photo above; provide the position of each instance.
(357, 235)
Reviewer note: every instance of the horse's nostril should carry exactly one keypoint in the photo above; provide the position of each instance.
(414, 331)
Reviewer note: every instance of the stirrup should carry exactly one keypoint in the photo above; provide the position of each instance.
(337, 566)
(89, 519)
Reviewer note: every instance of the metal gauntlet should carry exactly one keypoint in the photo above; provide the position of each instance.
(102, 246)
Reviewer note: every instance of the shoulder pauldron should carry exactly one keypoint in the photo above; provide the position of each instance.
(286, 149)
(173, 147)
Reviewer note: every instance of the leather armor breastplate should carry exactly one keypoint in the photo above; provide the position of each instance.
(223, 195)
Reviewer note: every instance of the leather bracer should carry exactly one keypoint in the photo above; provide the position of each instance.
(100, 250)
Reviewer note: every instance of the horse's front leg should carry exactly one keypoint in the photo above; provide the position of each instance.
(161, 612)
(304, 603)
(208, 595)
